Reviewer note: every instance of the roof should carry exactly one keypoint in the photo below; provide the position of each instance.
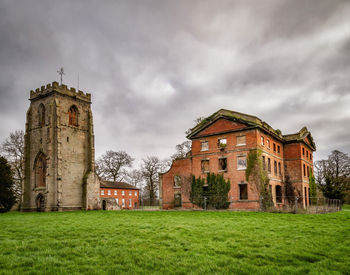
(251, 122)
(116, 185)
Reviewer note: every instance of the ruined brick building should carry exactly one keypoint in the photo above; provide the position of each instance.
(221, 143)
(59, 151)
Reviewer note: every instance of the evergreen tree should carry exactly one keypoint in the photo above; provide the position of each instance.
(313, 188)
(216, 191)
(7, 195)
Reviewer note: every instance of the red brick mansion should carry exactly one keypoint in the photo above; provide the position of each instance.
(221, 143)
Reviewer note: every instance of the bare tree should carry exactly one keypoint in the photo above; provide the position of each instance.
(13, 149)
(333, 175)
(111, 166)
(150, 168)
(182, 149)
(196, 122)
(134, 177)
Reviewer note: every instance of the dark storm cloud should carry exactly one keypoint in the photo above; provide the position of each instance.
(154, 66)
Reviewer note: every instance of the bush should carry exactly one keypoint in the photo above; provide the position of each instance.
(215, 189)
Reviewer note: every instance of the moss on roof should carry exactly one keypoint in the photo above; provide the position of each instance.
(252, 121)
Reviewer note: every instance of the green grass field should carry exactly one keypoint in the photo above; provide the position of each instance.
(172, 242)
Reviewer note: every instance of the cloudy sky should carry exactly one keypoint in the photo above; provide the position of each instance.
(154, 66)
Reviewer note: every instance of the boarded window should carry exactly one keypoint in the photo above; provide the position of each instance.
(304, 170)
(243, 191)
(241, 162)
(223, 164)
(73, 116)
(269, 164)
(177, 181)
(205, 166)
(303, 152)
(274, 147)
(177, 200)
(275, 167)
(278, 194)
(204, 146)
(241, 141)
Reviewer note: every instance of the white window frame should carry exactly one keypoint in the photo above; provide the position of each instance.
(204, 148)
(123, 193)
(241, 144)
(117, 201)
(115, 192)
(108, 192)
(238, 166)
(135, 193)
(130, 202)
(102, 192)
(123, 202)
(130, 193)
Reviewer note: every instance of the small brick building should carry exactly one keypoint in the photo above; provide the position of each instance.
(118, 195)
(221, 143)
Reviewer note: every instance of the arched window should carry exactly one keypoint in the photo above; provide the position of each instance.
(73, 116)
(40, 170)
(41, 115)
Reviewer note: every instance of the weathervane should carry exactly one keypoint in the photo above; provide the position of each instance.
(61, 72)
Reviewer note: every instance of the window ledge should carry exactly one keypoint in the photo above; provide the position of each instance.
(241, 144)
(177, 187)
(222, 171)
(241, 169)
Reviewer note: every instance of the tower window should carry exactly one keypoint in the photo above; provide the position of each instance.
(40, 170)
(73, 116)
(41, 115)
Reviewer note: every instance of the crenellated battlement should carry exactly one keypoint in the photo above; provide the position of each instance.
(62, 89)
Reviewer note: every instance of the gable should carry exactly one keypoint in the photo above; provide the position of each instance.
(220, 126)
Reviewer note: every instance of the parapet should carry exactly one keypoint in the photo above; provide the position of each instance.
(61, 89)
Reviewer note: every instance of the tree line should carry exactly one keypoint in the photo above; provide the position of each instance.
(331, 176)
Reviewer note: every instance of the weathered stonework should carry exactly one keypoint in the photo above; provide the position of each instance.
(64, 178)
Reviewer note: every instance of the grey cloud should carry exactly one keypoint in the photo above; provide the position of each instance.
(154, 66)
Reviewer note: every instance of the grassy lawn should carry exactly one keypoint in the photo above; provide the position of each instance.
(117, 242)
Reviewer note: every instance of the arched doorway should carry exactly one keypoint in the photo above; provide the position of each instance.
(104, 205)
(40, 203)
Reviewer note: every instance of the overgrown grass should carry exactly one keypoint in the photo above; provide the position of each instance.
(174, 243)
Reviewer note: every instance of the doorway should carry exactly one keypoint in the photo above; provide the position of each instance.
(104, 205)
(40, 203)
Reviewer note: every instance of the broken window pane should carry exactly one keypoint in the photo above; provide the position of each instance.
(177, 181)
(223, 164)
(205, 166)
(204, 146)
(222, 142)
(241, 162)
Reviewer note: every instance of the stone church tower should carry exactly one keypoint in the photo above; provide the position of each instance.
(59, 151)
